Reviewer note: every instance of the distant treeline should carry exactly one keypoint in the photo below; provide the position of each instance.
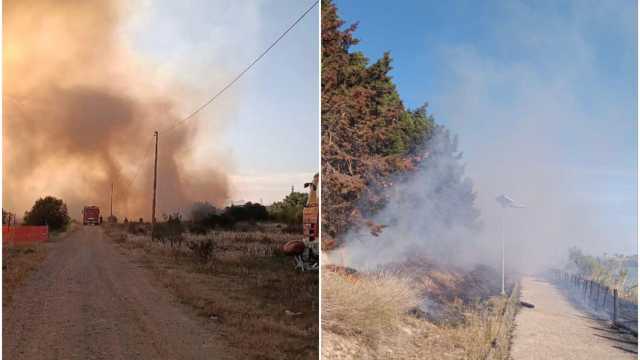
(615, 271)
(205, 216)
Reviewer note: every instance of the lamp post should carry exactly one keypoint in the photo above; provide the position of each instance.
(506, 202)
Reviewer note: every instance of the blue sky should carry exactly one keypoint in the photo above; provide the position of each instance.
(265, 127)
(543, 95)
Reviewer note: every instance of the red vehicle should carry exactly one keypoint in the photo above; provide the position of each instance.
(91, 215)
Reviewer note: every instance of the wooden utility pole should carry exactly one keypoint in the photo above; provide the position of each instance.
(155, 182)
(111, 203)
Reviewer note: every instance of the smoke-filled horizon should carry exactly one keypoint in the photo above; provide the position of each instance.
(80, 111)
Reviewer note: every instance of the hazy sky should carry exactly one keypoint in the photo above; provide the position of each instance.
(269, 118)
(542, 94)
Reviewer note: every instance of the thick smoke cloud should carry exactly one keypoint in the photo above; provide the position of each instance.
(430, 213)
(78, 115)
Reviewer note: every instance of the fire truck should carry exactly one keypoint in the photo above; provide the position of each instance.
(91, 215)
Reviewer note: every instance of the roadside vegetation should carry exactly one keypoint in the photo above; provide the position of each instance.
(380, 316)
(613, 271)
(228, 267)
(18, 262)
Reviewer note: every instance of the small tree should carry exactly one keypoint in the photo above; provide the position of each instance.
(289, 210)
(49, 211)
(201, 210)
(170, 230)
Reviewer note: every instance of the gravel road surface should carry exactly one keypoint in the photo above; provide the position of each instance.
(87, 301)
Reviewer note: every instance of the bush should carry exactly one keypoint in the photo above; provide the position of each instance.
(289, 210)
(48, 211)
(202, 250)
(198, 229)
(250, 212)
(170, 230)
(136, 229)
(201, 210)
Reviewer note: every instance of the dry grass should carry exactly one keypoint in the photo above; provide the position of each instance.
(260, 303)
(17, 263)
(365, 307)
(368, 317)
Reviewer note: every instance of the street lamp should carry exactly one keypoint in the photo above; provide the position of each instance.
(505, 202)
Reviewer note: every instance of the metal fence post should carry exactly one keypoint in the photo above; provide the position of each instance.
(615, 305)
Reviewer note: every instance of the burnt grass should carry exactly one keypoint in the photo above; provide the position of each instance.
(249, 290)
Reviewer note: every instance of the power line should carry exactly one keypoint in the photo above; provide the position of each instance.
(215, 96)
(221, 91)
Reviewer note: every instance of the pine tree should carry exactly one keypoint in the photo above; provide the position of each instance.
(367, 133)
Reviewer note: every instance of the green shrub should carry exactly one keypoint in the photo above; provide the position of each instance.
(48, 211)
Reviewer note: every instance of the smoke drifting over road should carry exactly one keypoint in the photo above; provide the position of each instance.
(79, 114)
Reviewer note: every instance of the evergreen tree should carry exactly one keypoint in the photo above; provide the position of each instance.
(367, 133)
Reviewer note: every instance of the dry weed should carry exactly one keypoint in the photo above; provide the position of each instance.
(367, 306)
(367, 317)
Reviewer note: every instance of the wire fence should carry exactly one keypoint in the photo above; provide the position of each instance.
(601, 300)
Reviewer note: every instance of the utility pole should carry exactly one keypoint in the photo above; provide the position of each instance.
(155, 182)
(111, 203)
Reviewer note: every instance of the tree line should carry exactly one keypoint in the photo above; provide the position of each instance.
(53, 212)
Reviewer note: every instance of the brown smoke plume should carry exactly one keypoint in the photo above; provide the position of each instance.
(78, 116)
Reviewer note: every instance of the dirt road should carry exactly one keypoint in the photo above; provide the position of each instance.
(88, 302)
(556, 329)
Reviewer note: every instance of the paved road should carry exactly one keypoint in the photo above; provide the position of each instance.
(556, 329)
(88, 302)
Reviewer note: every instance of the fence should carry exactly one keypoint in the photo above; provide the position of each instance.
(601, 300)
(18, 235)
